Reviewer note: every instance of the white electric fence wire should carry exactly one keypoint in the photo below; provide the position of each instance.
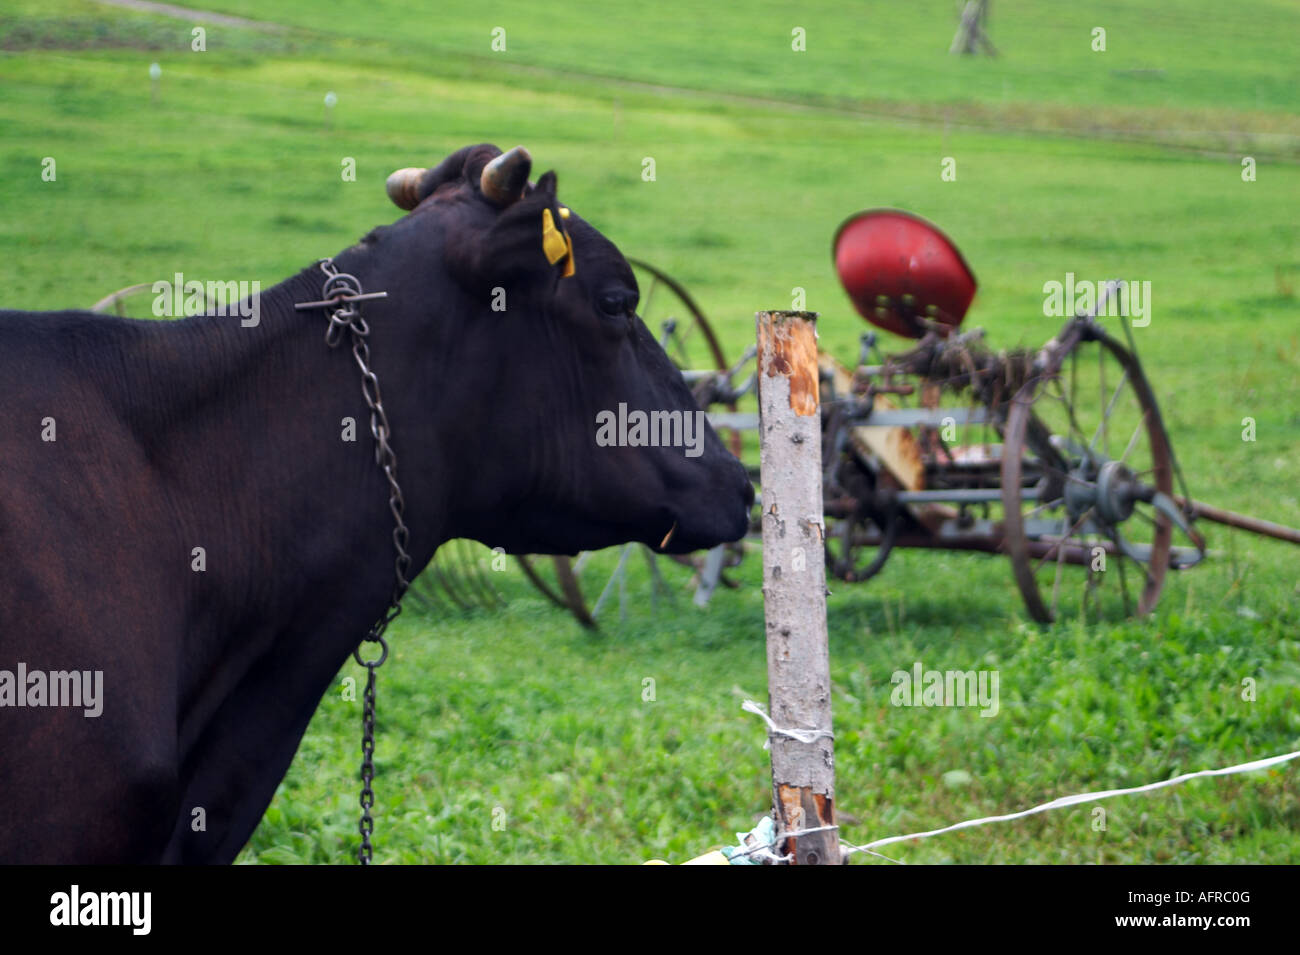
(810, 736)
(1075, 800)
(850, 849)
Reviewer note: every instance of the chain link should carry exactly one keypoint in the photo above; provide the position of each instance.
(341, 291)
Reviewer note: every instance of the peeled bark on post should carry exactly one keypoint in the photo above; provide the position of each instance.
(794, 584)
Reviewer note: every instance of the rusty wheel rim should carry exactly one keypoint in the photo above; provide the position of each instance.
(1072, 461)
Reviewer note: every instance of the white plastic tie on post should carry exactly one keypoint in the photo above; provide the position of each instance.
(803, 736)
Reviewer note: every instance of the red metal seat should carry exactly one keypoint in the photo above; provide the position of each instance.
(899, 269)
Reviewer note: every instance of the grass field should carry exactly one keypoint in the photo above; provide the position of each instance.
(1125, 164)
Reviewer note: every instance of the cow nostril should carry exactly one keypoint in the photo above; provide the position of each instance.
(749, 492)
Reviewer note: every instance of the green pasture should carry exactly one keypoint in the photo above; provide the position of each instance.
(1122, 164)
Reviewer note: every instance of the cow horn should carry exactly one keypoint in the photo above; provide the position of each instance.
(505, 177)
(404, 187)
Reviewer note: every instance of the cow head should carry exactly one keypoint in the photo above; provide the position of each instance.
(544, 370)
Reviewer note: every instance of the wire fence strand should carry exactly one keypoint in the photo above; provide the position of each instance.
(1075, 800)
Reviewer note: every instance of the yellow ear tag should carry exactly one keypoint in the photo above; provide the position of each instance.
(553, 243)
(569, 267)
(556, 243)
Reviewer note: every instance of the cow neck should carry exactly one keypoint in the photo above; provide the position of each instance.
(341, 297)
(341, 300)
(248, 425)
(328, 454)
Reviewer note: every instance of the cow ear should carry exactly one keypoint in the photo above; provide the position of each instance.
(525, 248)
(547, 183)
(557, 244)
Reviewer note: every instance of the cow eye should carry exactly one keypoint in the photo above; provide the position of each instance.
(616, 303)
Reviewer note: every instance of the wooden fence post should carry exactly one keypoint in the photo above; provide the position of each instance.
(794, 585)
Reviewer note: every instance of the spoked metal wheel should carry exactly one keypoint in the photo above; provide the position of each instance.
(1088, 481)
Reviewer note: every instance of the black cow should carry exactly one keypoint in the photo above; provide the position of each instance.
(128, 444)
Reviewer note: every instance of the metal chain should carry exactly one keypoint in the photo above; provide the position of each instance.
(367, 824)
(341, 291)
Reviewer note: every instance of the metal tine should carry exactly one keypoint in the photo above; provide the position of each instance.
(456, 569)
(444, 578)
(657, 583)
(460, 573)
(622, 591)
(470, 574)
(489, 598)
(422, 594)
(619, 571)
(425, 590)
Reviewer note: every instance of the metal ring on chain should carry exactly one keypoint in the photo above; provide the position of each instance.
(341, 283)
(383, 655)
